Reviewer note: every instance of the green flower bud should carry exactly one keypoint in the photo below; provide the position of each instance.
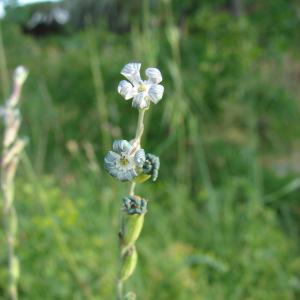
(132, 229)
(134, 205)
(129, 264)
(151, 166)
(135, 209)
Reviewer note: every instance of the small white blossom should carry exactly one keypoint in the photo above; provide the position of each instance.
(142, 91)
(124, 161)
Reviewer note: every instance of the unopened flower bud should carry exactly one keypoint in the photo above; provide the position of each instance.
(129, 264)
(20, 75)
(135, 209)
(134, 205)
(151, 166)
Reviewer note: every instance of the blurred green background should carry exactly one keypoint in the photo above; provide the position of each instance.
(223, 220)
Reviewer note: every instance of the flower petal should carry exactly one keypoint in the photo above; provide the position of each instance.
(154, 75)
(110, 163)
(140, 101)
(126, 90)
(132, 72)
(140, 157)
(121, 146)
(156, 92)
(126, 175)
(111, 157)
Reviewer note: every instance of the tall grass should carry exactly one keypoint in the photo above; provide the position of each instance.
(223, 223)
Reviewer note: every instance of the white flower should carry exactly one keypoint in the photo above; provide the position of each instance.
(124, 161)
(142, 91)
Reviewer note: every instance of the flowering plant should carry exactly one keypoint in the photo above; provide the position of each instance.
(142, 91)
(127, 161)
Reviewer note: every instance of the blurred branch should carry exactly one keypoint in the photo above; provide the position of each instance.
(3, 67)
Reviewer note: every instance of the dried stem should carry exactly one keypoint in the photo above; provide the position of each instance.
(12, 148)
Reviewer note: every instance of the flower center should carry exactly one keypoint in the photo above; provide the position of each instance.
(142, 88)
(124, 161)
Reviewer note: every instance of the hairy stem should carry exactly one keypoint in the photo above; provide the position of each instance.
(140, 127)
(137, 141)
(136, 144)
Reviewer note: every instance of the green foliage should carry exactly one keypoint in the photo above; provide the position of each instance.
(68, 247)
(223, 218)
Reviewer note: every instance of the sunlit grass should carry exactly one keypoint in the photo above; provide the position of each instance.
(224, 221)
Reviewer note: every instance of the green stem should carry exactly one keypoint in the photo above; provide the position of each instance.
(132, 187)
(137, 141)
(120, 290)
(140, 127)
(136, 144)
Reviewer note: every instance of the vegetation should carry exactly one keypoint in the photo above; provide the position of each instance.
(223, 217)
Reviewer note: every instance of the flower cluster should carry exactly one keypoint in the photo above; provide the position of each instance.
(127, 161)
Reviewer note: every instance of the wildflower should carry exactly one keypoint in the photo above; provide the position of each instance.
(142, 91)
(134, 205)
(125, 161)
